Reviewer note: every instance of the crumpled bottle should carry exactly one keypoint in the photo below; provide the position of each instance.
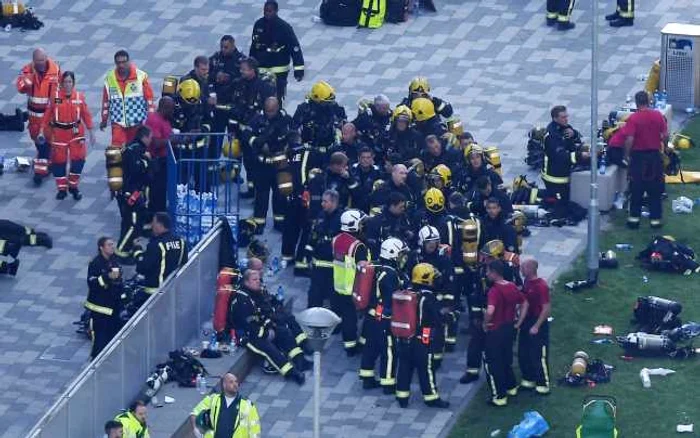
(532, 425)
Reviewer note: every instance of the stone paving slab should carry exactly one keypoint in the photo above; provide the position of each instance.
(495, 61)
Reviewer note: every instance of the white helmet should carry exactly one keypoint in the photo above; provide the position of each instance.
(393, 249)
(351, 220)
(428, 234)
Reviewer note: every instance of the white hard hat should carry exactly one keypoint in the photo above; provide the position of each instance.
(392, 249)
(351, 220)
(428, 234)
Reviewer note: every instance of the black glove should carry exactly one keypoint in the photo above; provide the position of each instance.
(298, 74)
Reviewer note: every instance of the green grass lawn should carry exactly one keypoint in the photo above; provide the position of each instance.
(645, 413)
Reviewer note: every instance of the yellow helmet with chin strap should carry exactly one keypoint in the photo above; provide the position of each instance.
(440, 176)
(423, 109)
(419, 84)
(322, 92)
(189, 91)
(493, 248)
(424, 274)
(473, 148)
(434, 200)
(402, 112)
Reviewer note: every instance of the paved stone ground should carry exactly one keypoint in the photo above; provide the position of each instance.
(495, 61)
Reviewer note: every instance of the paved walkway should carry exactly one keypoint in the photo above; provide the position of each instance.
(495, 61)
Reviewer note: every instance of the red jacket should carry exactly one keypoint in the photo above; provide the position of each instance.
(38, 87)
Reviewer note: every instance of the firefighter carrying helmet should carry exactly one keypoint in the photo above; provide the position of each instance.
(351, 221)
(493, 248)
(189, 91)
(393, 249)
(419, 84)
(322, 92)
(428, 234)
(425, 274)
(434, 200)
(402, 113)
(441, 176)
(423, 109)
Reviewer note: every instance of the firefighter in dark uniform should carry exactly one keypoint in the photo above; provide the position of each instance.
(562, 150)
(427, 121)
(485, 191)
(200, 73)
(403, 139)
(391, 222)
(399, 182)
(503, 301)
(319, 119)
(224, 69)
(624, 15)
(133, 198)
(418, 352)
(257, 333)
(349, 143)
(389, 277)
(559, 13)
(373, 121)
(476, 167)
(366, 173)
(104, 295)
(269, 134)
(250, 91)
(495, 227)
(338, 178)
(435, 154)
(321, 251)
(646, 132)
(163, 255)
(273, 44)
(419, 87)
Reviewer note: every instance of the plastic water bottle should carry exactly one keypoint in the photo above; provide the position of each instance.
(624, 246)
(664, 99)
(213, 343)
(275, 265)
(202, 384)
(280, 293)
(657, 99)
(603, 165)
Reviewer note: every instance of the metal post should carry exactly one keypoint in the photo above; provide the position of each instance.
(593, 213)
(317, 394)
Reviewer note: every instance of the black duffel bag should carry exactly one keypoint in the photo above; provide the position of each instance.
(340, 12)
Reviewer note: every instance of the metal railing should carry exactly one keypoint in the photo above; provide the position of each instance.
(167, 321)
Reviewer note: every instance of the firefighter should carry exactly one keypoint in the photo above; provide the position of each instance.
(250, 91)
(104, 280)
(134, 420)
(427, 121)
(533, 342)
(254, 330)
(348, 251)
(623, 15)
(376, 329)
(646, 131)
(476, 167)
(485, 191)
(200, 73)
(403, 139)
(561, 147)
(503, 303)
(133, 199)
(127, 98)
(319, 119)
(273, 44)
(391, 222)
(366, 173)
(9, 249)
(320, 249)
(399, 183)
(337, 178)
(435, 154)
(559, 13)
(67, 117)
(420, 88)
(373, 121)
(24, 236)
(224, 69)
(418, 352)
(435, 215)
(163, 255)
(269, 133)
(494, 226)
(349, 143)
(230, 414)
(39, 80)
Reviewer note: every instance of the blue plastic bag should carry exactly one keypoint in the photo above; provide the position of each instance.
(532, 425)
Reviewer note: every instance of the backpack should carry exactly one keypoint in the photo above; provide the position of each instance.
(598, 418)
(665, 254)
(396, 11)
(404, 317)
(340, 12)
(185, 368)
(362, 287)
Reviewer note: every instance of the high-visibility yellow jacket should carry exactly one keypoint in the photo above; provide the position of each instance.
(247, 424)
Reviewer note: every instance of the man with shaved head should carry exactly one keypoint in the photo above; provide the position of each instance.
(269, 143)
(39, 81)
(229, 412)
(533, 348)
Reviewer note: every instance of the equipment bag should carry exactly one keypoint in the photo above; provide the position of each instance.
(185, 368)
(598, 418)
(340, 12)
(396, 11)
(665, 254)
(372, 13)
(362, 287)
(404, 317)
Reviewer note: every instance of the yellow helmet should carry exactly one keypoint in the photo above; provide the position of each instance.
(440, 176)
(419, 84)
(493, 248)
(473, 148)
(423, 109)
(425, 274)
(402, 112)
(189, 91)
(682, 141)
(520, 182)
(455, 126)
(322, 92)
(434, 200)
(416, 165)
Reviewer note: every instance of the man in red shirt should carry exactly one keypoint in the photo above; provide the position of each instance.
(159, 122)
(646, 133)
(533, 343)
(504, 299)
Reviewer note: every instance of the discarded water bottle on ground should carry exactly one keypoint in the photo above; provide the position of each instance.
(645, 279)
(280, 293)
(646, 380)
(657, 98)
(533, 424)
(275, 265)
(624, 246)
(603, 165)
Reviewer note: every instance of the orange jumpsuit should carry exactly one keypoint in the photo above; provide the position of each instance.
(38, 88)
(67, 117)
(123, 135)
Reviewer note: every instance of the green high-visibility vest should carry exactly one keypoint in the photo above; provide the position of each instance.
(372, 13)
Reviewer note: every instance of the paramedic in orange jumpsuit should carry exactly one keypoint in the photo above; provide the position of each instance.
(67, 117)
(39, 81)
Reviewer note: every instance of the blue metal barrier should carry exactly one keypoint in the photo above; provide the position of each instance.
(203, 184)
